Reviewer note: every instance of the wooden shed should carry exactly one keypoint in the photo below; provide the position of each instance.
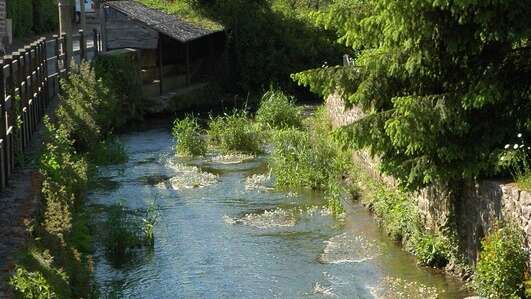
(174, 53)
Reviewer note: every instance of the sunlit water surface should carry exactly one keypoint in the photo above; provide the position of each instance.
(232, 236)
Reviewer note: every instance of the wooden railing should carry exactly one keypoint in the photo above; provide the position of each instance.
(29, 81)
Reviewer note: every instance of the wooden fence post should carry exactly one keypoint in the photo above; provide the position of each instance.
(82, 46)
(10, 114)
(66, 62)
(24, 96)
(44, 74)
(4, 172)
(38, 81)
(96, 42)
(57, 54)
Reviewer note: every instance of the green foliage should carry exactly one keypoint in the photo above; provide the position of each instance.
(188, 137)
(31, 285)
(120, 73)
(108, 152)
(45, 16)
(333, 194)
(277, 110)
(125, 231)
(502, 263)
(298, 160)
(431, 249)
(434, 80)
(87, 109)
(59, 161)
(21, 12)
(399, 214)
(524, 181)
(32, 16)
(296, 163)
(235, 133)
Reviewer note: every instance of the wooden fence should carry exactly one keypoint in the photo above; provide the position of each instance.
(29, 81)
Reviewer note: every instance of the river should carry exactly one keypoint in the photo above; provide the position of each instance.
(237, 239)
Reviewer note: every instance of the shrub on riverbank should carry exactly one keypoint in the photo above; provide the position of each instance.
(235, 133)
(120, 73)
(88, 109)
(277, 110)
(188, 137)
(502, 263)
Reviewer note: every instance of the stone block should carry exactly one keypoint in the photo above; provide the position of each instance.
(525, 198)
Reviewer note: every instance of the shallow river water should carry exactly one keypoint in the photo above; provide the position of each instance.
(237, 238)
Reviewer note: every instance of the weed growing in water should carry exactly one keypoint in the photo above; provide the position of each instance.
(108, 152)
(278, 110)
(126, 231)
(148, 228)
(187, 134)
(234, 133)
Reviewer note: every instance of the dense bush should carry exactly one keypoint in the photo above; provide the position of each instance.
(45, 16)
(277, 110)
(32, 16)
(502, 263)
(120, 72)
(88, 109)
(235, 132)
(188, 137)
(431, 249)
(21, 12)
(31, 284)
(59, 161)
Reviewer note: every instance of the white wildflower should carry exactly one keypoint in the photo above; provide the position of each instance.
(519, 135)
(515, 146)
(507, 146)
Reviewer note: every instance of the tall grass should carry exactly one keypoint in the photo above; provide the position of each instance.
(125, 231)
(277, 111)
(235, 133)
(188, 137)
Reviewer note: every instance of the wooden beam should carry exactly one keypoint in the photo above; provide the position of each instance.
(161, 65)
(188, 79)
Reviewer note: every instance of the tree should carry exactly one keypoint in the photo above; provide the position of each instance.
(443, 84)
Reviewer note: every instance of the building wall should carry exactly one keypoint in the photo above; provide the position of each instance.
(122, 32)
(477, 208)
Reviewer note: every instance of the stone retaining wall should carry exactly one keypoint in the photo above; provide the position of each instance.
(478, 207)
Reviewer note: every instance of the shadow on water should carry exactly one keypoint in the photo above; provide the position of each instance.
(228, 240)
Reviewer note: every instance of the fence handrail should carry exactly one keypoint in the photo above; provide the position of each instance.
(29, 80)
